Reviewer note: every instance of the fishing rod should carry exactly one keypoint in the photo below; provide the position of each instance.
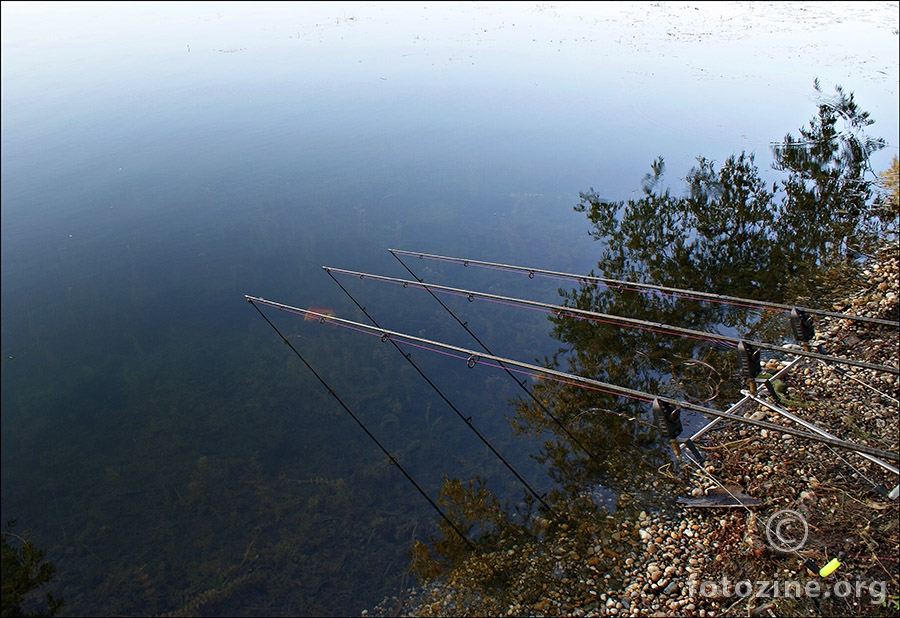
(466, 419)
(618, 283)
(387, 453)
(561, 311)
(472, 358)
(520, 383)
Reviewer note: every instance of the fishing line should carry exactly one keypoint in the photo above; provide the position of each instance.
(736, 499)
(521, 384)
(752, 521)
(625, 417)
(561, 311)
(844, 374)
(877, 486)
(387, 453)
(874, 557)
(788, 415)
(716, 481)
(635, 286)
(740, 502)
(474, 358)
(808, 563)
(466, 419)
(812, 427)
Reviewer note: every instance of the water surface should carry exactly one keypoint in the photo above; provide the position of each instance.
(160, 161)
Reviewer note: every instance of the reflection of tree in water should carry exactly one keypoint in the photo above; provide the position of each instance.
(732, 234)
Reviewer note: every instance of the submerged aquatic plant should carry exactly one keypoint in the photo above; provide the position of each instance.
(24, 572)
(477, 513)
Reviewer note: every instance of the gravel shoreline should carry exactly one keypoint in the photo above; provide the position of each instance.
(671, 560)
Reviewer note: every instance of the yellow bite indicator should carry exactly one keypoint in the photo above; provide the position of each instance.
(829, 568)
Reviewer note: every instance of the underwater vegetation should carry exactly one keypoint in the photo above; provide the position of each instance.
(24, 572)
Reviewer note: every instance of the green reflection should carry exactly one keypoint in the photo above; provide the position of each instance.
(734, 233)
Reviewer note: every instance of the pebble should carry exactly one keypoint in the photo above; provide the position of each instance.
(658, 557)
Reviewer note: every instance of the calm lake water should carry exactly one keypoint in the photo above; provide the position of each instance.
(160, 161)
